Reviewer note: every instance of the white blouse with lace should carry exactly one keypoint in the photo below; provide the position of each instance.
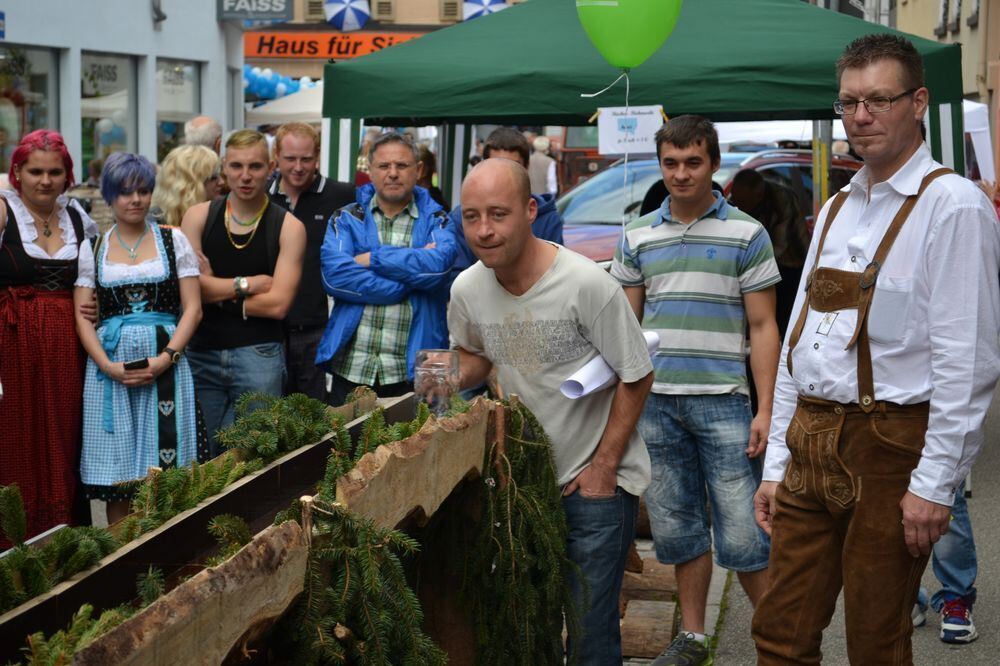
(149, 270)
(29, 234)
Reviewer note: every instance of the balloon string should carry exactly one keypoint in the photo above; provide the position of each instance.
(624, 75)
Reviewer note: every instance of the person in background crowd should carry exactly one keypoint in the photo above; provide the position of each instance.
(203, 131)
(548, 223)
(700, 272)
(885, 378)
(774, 206)
(386, 260)
(538, 313)
(955, 566)
(542, 168)
(428, 167)
(88, 193)
(252, 252)
(41, 361)
(139, 402)
(314, 200)
(188, 175)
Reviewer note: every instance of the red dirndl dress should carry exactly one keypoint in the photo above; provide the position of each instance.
(41, 367)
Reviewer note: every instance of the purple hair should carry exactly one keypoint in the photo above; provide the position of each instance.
(125, 173)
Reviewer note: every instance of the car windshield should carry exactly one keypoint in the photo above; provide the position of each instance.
(599, 199)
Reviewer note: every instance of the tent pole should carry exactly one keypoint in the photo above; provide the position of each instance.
(344, 140)
(822, 139)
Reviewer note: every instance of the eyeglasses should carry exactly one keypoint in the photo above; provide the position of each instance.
(384, 167)
(848, 107)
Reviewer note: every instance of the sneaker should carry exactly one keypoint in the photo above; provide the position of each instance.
(956, 622)
(919, 614)
(684, 651)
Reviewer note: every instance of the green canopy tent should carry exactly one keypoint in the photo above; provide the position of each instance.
(726, 59)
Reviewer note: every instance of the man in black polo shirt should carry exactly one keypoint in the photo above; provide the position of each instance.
(312, 199)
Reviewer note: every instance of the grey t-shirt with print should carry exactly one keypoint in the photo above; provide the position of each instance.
(574, 313)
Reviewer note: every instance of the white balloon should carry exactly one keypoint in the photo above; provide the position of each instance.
(280, 90)
(267, 72)
(305, 81)
(120, 117)
(255, 71)
(245, 82)
(105, 125)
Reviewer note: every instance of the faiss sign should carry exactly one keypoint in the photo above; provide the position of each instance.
(254, 10)
(337, 45)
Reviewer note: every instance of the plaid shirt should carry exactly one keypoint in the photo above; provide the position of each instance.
(377, 353)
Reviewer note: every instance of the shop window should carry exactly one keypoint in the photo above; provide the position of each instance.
(973, 19)
(107, 105)
(942, 27)
(27, 96)
(178, 92)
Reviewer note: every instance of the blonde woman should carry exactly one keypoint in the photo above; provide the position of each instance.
(188, 175)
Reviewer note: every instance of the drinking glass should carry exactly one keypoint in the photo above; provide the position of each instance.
(436, 378)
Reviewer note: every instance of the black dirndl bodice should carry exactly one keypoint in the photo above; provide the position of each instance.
(162, 295)
(19, 269)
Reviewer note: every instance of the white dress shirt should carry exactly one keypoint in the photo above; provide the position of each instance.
(933, 323)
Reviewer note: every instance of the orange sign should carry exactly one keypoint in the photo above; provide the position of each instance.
(320, 45)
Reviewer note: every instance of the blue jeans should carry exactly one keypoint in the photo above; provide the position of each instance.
(954, 558)
(697, 447)
(600, 535)
(221, 376)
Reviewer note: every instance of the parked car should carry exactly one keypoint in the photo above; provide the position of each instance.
(593, 210)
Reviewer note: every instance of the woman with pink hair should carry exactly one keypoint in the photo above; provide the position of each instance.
(41, 361)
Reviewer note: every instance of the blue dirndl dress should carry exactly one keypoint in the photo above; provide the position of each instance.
(126, 430)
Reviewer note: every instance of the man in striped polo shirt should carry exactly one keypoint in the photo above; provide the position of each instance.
(698, 272)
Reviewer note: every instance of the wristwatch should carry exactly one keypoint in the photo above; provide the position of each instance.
(175, 356)
(241, 286)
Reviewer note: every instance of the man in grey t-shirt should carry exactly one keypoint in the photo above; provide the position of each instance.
(539, 312)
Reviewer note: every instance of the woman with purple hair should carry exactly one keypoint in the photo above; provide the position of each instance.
(139, 408)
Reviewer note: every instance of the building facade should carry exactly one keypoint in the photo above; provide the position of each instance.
(116, 74)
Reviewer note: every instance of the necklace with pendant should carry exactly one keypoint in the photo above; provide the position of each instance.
(253, 222)
(46, 229)
(134, 249)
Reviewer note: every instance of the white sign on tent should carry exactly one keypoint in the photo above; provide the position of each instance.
(630, 130)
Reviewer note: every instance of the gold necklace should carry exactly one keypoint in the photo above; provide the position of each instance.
(46, 230)
(253, 233)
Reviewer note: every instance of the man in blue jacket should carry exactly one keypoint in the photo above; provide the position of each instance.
(386, 261)
(508, 143)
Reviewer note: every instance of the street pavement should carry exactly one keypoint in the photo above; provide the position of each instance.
(736, 647)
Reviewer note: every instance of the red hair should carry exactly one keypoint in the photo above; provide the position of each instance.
(43, 139)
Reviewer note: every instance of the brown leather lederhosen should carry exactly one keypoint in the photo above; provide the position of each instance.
(831, 289)
(836, 524)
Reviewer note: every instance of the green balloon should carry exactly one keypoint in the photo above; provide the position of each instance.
(627, 32)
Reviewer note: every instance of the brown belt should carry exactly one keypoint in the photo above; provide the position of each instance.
(882, 406)
(831, 289)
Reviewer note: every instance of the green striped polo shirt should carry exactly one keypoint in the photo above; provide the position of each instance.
(695, 277)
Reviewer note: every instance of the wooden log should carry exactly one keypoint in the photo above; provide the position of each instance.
(656, 582)
(202, 620)
(352, 410)
(415, 475)
(647, 628)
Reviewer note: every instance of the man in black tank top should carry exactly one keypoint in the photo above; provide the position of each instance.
(251, 251)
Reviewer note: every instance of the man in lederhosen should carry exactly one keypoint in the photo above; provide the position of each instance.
(884, 380)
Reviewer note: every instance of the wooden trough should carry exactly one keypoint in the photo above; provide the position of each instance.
(183, 539)
(217, 611)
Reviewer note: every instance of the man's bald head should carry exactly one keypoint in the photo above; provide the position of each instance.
(500, 167)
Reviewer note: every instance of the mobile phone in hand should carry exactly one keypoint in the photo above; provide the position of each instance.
(138, 364)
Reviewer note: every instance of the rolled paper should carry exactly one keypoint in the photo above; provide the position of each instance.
(597, 375)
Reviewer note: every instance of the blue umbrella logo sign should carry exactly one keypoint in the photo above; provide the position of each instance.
(475, 8)
(347, 15)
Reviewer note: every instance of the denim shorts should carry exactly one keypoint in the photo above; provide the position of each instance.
(697, 446)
